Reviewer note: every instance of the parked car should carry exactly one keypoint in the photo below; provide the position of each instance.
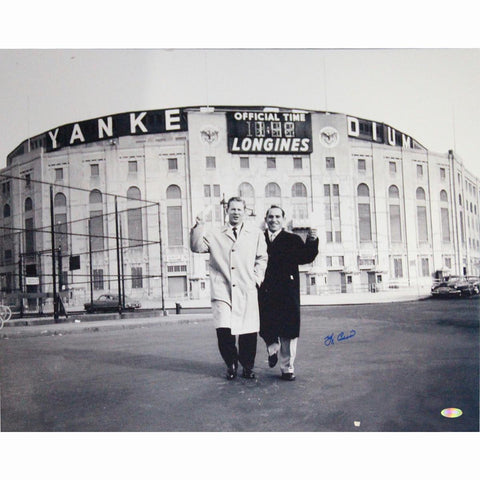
(109, 303)
(455, 287)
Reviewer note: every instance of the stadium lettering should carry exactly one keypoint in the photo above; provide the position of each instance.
(276, 145)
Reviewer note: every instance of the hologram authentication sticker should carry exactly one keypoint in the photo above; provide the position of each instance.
(451, 412)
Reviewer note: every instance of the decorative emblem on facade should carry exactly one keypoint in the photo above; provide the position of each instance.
(329, 137)
(209, 134)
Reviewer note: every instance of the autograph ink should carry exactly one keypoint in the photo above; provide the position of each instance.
(330, 339)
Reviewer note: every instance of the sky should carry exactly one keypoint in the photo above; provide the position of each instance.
(429, 94)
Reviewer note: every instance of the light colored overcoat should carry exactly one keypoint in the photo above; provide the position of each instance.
(237, 267)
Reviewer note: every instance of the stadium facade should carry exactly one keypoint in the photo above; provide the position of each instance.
(390, 213)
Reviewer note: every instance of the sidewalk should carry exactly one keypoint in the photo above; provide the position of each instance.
(78, 323)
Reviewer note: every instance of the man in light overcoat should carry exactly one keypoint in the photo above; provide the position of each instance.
(238, 259)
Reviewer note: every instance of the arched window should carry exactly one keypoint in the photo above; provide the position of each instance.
(443, 196)
(60, 200)
(28, 204)
(174, 216)
(364, 215)
(96, 220)
(393, 192)
(460, 199)
(363, 190)
(173, 192)
(420, 193)
(299, 190)
(6, 210)
(134, 217)
(95, 197)
(246, 191)
(272, 190)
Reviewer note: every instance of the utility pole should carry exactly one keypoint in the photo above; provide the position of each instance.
(90, 258)
(54, 278)
(118, 258)
(20, 285)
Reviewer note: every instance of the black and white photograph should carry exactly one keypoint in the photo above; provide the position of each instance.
(275, 241)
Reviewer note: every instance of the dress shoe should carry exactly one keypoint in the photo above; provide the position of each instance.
(231, 372)
(288, 376)
(248, 373)
(272, 360)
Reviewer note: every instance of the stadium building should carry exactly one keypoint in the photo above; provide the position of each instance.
(117, 196)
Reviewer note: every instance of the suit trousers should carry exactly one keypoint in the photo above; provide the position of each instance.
(287, 351)
(247, 348)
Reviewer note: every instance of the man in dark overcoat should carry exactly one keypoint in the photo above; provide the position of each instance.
(279, 295)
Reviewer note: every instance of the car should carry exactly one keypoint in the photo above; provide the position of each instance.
(454, 287)
(108, 302)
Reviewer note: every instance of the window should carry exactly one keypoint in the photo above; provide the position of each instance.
(137, 278)
(462, 228)
(329, 261)
(338, 237)
(420, 193)
(326, 190)
(28, 180)
(29, 236)
(336, 190)
(363, 190)
(362, 165)
(443, 175)
(299, 190)
(272, 190)
(448, 262)
(460, 199)
(393, 192)
(364, 216)
(419, 171)
(134, 217)
(422, 223)
(425, 268)
(398, 267)
(216, 190)
(59, 174)
(330, 162)
(207, 191)
(244, 162)
(174, 192)
(445, 218)
(210, 162)
(395, 224)
(443, 196)
(173, 164)
(341, 261)
(313, 281)
(98, 279)
(246, 191)
(174, 225)
(392, 167)
(133, 166)
(6, 210)
(298, 163)
(96, 221)
(28, 204)
(329, 237)
(94, 170)
(271, 162)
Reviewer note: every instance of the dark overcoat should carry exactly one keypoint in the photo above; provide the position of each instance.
(279, 295)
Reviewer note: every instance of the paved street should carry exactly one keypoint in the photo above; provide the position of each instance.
(397, 367)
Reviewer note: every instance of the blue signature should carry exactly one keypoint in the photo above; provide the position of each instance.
(330, 339)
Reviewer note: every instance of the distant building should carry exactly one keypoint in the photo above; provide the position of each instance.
(389, 212)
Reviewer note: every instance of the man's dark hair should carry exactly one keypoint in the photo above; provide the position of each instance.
(275, 206)
(236, 199)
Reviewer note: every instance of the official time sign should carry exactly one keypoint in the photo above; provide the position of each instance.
(269, 132)
(113, 126)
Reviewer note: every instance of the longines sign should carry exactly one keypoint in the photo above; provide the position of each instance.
(269, 132)
(113, 126)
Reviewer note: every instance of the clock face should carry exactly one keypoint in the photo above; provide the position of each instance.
(209, 134)
(329, 137)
